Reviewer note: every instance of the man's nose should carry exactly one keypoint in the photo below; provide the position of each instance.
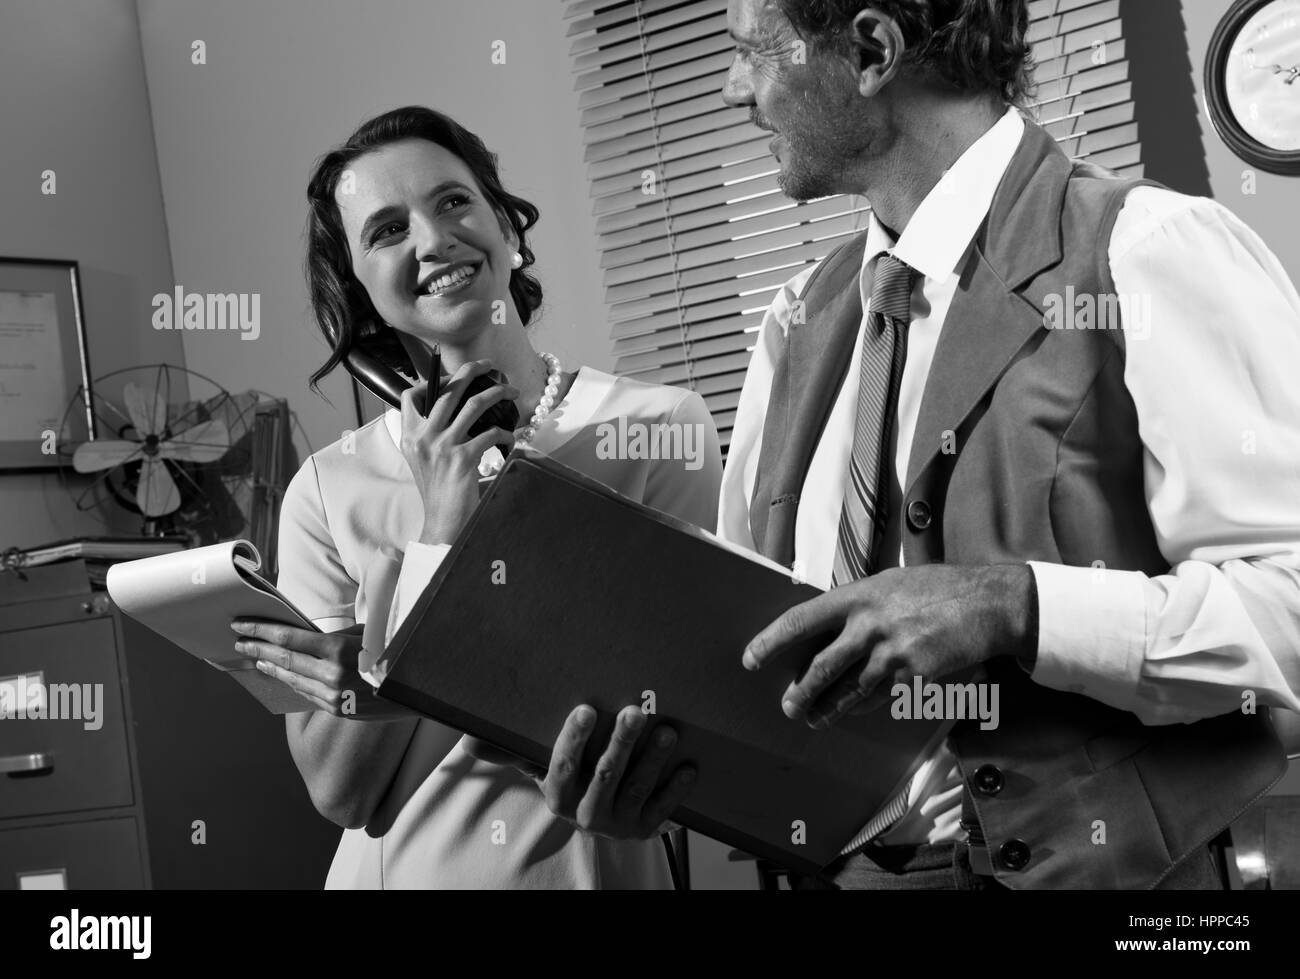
(736, 90)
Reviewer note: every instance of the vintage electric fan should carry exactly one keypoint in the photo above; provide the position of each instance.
(183, 453)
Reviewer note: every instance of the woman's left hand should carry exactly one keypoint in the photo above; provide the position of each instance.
(321, 666)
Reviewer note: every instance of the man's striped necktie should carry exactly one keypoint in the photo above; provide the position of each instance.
(866, 487)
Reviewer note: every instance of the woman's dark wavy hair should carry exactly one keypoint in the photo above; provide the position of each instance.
(342, 308)
(974, 45)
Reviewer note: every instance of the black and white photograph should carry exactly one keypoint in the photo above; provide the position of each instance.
(649, 445)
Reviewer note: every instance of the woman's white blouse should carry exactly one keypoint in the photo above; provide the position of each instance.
(347, 518)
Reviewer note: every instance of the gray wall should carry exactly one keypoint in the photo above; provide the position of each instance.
(286, 81)
(75, 103)
(1272, 210)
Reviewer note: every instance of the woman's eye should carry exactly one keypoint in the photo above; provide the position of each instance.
(453, 202)
(384, 232)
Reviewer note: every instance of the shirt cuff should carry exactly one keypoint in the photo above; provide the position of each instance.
(378, 580)
(1092, 632)
(418, 566)
(393, 582)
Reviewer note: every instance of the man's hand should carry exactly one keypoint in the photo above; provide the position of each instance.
(619, 800)
(928, 621)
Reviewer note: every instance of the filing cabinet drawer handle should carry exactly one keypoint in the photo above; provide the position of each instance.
(27, 764)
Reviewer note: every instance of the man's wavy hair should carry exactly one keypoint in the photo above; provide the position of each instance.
(342, 308)
(973, 45)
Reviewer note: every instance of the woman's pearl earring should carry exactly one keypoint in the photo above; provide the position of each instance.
(516, 261)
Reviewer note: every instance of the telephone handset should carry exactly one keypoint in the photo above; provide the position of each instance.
(388, 385)
(383, 382)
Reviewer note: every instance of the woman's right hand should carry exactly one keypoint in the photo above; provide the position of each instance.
(442, 457)
(320, 666)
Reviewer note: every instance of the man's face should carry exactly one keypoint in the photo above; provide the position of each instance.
(807, 95)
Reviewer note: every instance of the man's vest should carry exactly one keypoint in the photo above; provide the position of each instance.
(1027, 448)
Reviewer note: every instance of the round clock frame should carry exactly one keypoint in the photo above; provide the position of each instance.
(1249, 149)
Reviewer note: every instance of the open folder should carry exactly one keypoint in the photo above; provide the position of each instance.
(190, 598)
(561, 592)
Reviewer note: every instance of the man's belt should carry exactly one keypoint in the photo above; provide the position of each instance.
(980, 861)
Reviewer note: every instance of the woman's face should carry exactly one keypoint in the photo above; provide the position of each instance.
(426, 244)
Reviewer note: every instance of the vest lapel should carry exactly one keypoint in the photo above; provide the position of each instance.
(989, 321)
(985, 327)
(987, 324)
(809, 375)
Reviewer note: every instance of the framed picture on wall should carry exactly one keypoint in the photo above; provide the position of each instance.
(44, 370)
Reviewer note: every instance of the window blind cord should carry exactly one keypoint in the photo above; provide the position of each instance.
(668, 212)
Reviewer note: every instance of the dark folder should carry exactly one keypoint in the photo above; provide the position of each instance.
(561, 591)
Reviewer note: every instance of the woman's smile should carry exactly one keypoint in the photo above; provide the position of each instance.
(446, 283)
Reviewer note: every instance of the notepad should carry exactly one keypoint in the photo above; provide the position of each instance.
(561, 591)
(190, 598)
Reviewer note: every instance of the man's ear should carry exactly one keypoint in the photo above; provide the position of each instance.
(878, 47)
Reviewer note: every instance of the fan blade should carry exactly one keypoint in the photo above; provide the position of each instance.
(206, 442)
(157, 494)
(93, 457)
(148, 410)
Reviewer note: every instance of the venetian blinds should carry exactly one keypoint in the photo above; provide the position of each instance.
(694, 236)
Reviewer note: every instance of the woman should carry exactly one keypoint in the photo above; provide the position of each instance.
(413, 242)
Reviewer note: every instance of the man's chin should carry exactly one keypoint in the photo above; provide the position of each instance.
(800, 186)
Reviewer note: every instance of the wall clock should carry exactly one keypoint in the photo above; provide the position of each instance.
(1252, 83)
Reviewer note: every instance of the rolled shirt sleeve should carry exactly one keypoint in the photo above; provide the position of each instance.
(1219, 419)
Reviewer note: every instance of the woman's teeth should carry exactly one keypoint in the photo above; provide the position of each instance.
(452, 281)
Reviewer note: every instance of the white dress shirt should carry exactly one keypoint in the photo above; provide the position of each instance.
(1212, 377)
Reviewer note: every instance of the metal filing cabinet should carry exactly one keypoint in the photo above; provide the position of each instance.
(184, 780)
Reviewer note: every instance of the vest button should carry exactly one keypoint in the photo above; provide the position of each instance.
(918, 515)
(988, 780)
(1014, 854)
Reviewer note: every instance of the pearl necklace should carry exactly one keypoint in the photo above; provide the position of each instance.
(490, 467)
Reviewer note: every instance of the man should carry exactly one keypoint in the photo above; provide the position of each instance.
(1156, 459)
(1060, 448)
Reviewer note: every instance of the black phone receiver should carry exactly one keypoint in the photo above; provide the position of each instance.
(388, 385)
(383, 382)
